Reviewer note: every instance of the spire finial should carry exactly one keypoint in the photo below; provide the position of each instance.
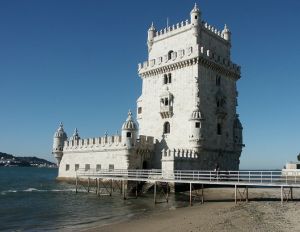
(61, 125)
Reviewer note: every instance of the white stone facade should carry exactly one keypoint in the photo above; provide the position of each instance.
(186, 112)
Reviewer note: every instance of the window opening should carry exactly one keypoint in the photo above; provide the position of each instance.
(166, 128)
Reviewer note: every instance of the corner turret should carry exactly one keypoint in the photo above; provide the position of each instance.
(75, 135)
(129, 131)
(151, 35)
(195, 15)
(196, 134)
(59, 138)
(226, 33)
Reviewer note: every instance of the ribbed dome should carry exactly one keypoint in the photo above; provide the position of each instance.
(195, 9)
(129, 124)
(196, 114)
(60, 133)
(75, 135)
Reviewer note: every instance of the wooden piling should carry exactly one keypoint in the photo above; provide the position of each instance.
(235, 194)
(76, 183)
(88, 188)
(247, 195)
(155, 192)
(281, 194)
(292, 198)
(202, 194)
(190, 194)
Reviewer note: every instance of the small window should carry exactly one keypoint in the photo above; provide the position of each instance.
(165, 79)
(76, 167)
(196, 17)
(219, 129)
(98, 167)
(197, 124)
(170, 55)
(139, 110)
(218, 80)
(111, 167)
(87, 167)
(67, 167)
(166, 101)
(166, 128)
(169, 78)
(128, 134)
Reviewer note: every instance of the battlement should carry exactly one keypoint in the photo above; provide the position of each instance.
(98, 142)
(184, 26)
(106, 142)
(171, 30)
(185, 54)
(169, 154)
(212, 29)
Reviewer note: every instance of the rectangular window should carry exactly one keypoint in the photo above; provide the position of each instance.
(139, 110)
(98, 167)
(87, 167)
(197, 124)
(111, 167)
(128, 135)
(219, 129)
(67, 167)
(76, 167)
(218, 80)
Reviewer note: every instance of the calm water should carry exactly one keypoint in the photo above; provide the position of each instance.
(31, 200)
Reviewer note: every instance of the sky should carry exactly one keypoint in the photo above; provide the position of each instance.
(76, 62)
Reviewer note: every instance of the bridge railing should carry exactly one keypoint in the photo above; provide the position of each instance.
(263, 177)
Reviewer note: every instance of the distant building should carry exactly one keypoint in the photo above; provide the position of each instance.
(186, 113)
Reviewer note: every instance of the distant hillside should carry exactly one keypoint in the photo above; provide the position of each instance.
(11, 160)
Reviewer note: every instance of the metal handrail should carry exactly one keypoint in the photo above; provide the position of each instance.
(262, 177)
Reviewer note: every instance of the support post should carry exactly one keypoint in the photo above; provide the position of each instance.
(247, 196)
(235, 194)
(292, 198)
(281, 194)
(111, 187)
(202, 194)
(155, 192)
(88, 188)
(124, 190)
(136, 189)
(167, 192)
(96, 185)
(190, 194)
(76, 182)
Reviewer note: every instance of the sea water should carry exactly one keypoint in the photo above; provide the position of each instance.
(32, 200)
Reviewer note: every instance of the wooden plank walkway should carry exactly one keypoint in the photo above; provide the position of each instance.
(237, 179)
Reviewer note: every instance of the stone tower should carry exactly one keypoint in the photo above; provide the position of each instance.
(189, 96)
(59, 139)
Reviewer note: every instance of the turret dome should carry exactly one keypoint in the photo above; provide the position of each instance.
(60, 133)
(75, 135)
(195, 9)
(129, 124)
(196, 114)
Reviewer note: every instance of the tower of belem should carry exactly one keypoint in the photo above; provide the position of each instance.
(186, 113)
(189, 97)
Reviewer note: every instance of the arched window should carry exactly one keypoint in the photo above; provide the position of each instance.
(166, 128)
(170, 55)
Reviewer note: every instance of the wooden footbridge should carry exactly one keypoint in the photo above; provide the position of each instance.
(105, 182)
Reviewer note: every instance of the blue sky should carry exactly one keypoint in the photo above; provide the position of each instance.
(76, 62)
